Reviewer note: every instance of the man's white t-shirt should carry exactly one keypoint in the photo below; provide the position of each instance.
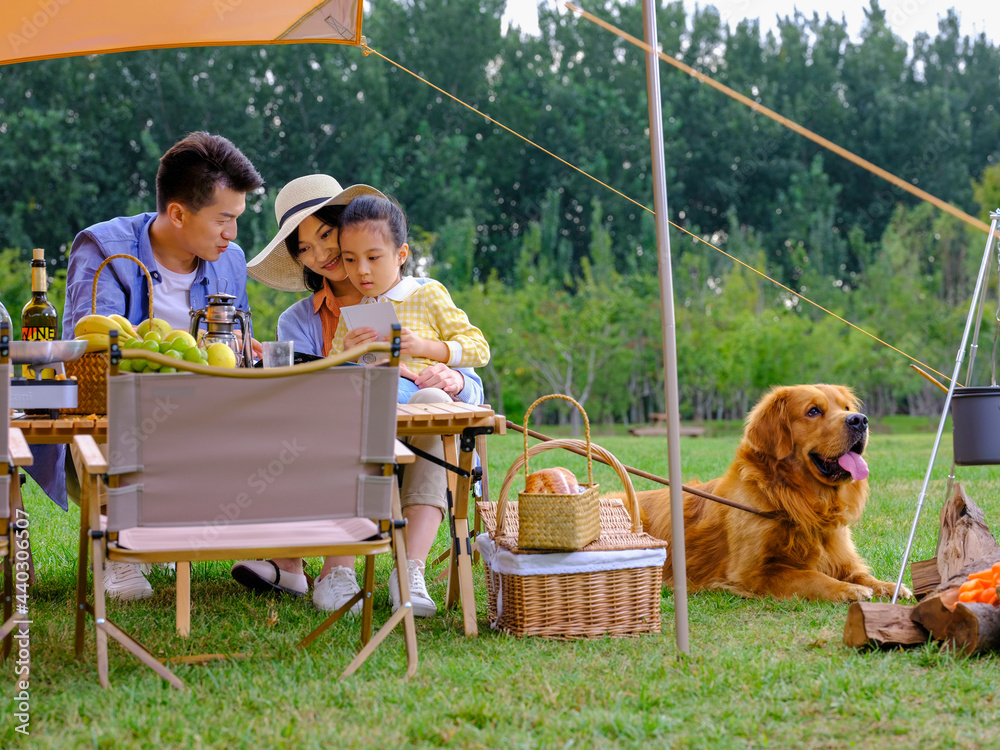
(172, 298)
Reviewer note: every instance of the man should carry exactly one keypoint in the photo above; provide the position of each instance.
(187, 246)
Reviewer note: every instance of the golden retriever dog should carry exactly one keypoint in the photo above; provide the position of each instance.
(800, 461)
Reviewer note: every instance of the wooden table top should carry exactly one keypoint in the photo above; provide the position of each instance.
(446, 418)
(61, 430)
(411, 419)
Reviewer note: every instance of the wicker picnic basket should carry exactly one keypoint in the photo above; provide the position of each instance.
(610, 587)
(91, 370)
(553, 521)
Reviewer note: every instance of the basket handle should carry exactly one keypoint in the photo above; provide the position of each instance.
(97, 275)
(631, 500)
(586, 429)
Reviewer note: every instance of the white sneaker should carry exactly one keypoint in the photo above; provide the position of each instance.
(423, 605)
(335, 589)
(125, 582)
(148, 568)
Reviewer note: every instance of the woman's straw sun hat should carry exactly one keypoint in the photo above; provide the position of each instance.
(298, 199)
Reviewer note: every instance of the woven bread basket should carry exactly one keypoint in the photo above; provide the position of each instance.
(552, 521)
(91, 370)
(624, 600)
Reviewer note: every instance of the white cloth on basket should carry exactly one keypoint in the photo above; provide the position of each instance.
(502, 561)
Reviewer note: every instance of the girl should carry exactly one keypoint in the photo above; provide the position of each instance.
(374, 251)
(305, 254)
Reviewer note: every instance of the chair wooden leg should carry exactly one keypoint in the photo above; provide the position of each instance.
(100, 613)
(409, 626)
(81, 565)
(17, 511)
(183, 598)
(323, 626)
(404, 614)
(410, 631)
(8, 598)
(140, 651)
(104, 627)
(15, 619)
(366, 609)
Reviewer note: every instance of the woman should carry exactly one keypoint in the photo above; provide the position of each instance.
(305, 255)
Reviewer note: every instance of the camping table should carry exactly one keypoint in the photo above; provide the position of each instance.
(466, 422)
(45, 430)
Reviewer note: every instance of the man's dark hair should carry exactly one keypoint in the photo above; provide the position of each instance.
(194, 166)
(329, 215)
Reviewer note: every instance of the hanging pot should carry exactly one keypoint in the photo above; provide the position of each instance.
(975, 420)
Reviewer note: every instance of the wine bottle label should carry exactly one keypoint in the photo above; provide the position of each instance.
(38, 333)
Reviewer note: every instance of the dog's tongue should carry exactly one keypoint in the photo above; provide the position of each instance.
(855, 464)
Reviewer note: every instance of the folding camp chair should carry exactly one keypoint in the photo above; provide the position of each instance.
(14, 452)
(244, 466)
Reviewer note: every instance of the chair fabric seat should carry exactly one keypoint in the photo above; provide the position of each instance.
(220, 539)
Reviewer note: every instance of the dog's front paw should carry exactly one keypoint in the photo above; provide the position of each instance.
(854, 592)
(888, 589)
(885, 589)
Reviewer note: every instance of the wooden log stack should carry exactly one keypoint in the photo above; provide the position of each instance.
(965, 545)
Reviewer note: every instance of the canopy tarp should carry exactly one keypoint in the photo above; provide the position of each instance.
(40, 29)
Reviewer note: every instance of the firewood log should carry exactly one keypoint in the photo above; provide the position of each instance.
(975, 628)
(925, 576)
(968, 628)
(934, 612)
(882, 625)
(964, 539)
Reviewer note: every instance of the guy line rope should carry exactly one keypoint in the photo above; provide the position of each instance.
(757, 107)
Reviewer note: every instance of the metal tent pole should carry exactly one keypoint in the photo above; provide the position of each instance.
(669, 326)
(973, 319)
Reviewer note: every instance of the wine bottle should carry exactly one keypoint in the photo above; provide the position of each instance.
(5, 318)
(39, 318)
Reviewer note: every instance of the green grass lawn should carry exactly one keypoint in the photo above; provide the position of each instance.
(760, 673)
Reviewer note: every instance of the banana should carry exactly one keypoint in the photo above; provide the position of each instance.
(95, 324)
(96, 342)
(125, 324)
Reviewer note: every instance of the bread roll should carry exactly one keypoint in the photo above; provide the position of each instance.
(555, 481)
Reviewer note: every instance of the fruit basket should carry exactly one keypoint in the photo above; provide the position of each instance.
(91, 370)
